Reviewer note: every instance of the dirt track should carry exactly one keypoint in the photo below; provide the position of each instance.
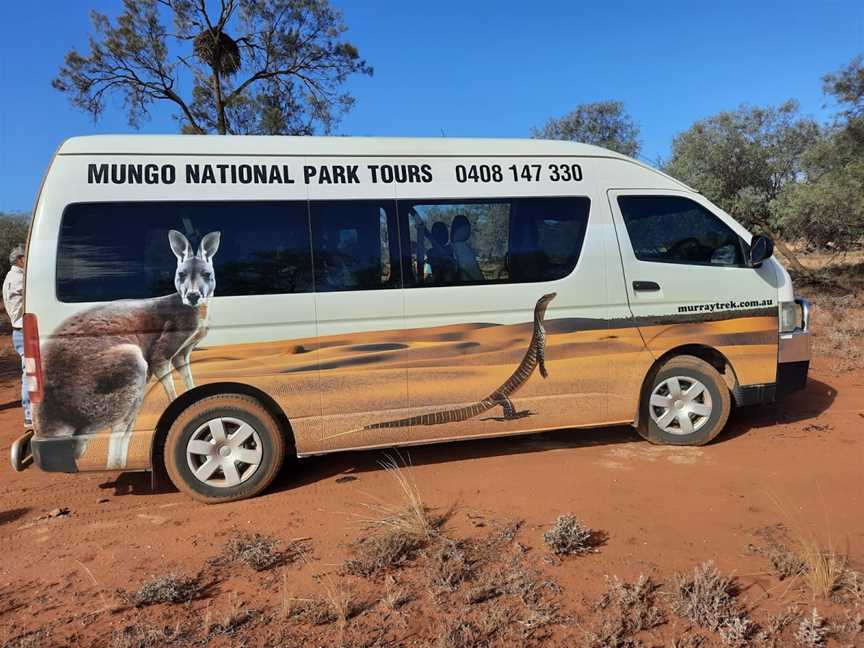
(661, 509)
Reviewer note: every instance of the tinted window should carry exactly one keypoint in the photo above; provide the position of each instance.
(113, 251)
(351, 243)
(492, 241)
(672, 229)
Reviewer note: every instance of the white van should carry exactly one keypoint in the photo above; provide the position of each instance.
(212, 304)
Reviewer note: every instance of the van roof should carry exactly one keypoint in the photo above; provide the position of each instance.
(285, 145)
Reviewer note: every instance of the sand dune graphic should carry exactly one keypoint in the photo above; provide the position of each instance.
(338, 384)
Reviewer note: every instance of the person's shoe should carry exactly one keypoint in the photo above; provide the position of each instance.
(28, 424)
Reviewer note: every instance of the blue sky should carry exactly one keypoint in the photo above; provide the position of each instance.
(479, 69)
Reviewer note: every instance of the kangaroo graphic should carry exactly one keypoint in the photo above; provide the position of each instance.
(98, 362)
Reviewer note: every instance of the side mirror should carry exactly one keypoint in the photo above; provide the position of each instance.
(761, 248)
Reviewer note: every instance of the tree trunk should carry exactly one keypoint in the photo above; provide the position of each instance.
(221, 122)
(787, 253)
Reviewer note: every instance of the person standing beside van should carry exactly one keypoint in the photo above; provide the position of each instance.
(13, 300)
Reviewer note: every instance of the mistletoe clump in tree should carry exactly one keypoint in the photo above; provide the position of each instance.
(237, 66)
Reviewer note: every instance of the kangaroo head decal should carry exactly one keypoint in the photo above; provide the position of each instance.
(194, 279)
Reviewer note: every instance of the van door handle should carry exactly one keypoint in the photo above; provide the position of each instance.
(646, 286)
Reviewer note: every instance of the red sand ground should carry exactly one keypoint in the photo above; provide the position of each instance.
(663, 510)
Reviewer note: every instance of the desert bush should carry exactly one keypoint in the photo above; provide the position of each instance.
(450, 564)
(395, 596)
(785, 562)
(257, 551)
(338, 606)
(769, 635)
(386, 550)
(688, 641)
(737, 631)
(168, 588)
(851, 587)
(28, 639)
(706, 599)
(811, 632)
(490, 628)
(838, 325)
(144, 635)
(569, 536)
(626, 609)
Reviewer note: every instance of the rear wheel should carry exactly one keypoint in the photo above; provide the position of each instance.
(686, 403)
(224, 448)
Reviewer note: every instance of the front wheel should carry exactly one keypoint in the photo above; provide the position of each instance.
(224, 448)
(687, 403)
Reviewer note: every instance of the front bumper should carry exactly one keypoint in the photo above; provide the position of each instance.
(793, 365)
(793, 358)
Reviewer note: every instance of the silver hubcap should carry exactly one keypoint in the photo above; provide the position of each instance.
(224, 452)
(680, 405)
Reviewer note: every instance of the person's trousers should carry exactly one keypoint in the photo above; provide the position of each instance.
(18, 343)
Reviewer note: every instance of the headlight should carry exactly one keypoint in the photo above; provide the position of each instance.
(789, 318)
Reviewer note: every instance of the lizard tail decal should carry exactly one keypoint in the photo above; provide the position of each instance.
(534, 357)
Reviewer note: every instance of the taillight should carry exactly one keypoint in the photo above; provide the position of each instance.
(32, 358)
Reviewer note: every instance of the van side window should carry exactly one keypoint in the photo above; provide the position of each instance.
(109, 251)
(673, 229)
(351, 245)
(468, 242)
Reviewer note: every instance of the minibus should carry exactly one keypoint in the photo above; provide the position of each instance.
(211, 305)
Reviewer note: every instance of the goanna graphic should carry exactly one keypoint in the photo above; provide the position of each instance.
(535, 356)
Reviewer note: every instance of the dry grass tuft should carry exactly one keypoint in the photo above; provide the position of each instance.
(626, 609)
(812, 631)
(409, 515)
(168, 588)
(825, 568)
(706, 599)
(801, 554)
(338, 606)
(568, 536)
(399, 529)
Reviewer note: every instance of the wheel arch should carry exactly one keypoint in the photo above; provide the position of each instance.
(184, 400)
(702, 351)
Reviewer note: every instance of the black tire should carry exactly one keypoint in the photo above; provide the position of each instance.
(269, 440)
(688, 369)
